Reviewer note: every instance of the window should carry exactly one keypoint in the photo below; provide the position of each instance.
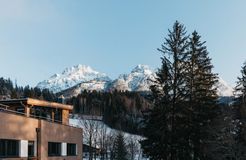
(41, 112)
(30, 148)
(54, 149)
(71, 149)
(58, 115)
(9, 148)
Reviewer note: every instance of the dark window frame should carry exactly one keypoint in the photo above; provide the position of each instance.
(54, 149)
(71, 149)
(58, 115)
(31, 148)
(9, 148)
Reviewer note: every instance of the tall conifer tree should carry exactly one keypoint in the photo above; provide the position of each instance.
(241, 85)
(201, 94)
(184, 97)
(165, 129)
(120, 152)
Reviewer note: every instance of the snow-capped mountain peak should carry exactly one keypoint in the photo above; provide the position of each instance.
(79, 68)
(223, 88)
(136, 80)
(81, 77)
(71, 77)
(145, 69)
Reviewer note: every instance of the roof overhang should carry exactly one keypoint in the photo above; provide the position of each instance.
(36, 102)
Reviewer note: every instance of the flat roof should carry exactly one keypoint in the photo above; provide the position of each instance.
(37, 102)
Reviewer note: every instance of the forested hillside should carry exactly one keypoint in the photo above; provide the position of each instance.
(9, 90)
(121, 110)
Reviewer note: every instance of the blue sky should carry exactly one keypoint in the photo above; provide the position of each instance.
(40, 38)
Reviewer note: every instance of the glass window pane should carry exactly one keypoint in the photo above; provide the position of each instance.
(9, 148)
(30, 148)
(54, 149)
(71, 149)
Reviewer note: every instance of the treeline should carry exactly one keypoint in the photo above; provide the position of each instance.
(9, 90)
(120, 110)
(186, 121)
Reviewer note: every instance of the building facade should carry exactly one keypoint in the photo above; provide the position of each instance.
(38, 130)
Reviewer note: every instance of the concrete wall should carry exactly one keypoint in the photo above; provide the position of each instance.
(17, 127)
(52, 132)
(22, 128)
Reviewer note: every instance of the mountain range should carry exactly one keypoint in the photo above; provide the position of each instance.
(76, 79)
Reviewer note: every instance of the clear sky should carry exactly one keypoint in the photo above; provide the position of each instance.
(40, 38)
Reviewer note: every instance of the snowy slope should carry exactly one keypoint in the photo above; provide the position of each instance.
(101, 128)
(223, 88)
(137, 80)
(89, 86)
(73, 76)
(78, 78)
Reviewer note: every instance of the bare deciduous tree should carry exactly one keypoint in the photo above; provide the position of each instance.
(90, 132)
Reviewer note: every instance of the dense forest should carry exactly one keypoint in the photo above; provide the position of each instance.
(121, 110)
(9, 90)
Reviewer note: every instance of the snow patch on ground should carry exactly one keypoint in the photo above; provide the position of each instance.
(83, 123)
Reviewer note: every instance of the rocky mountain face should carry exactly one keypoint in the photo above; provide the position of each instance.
(137, 80)
(223, 88)
(81, 75)
(74, 80)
